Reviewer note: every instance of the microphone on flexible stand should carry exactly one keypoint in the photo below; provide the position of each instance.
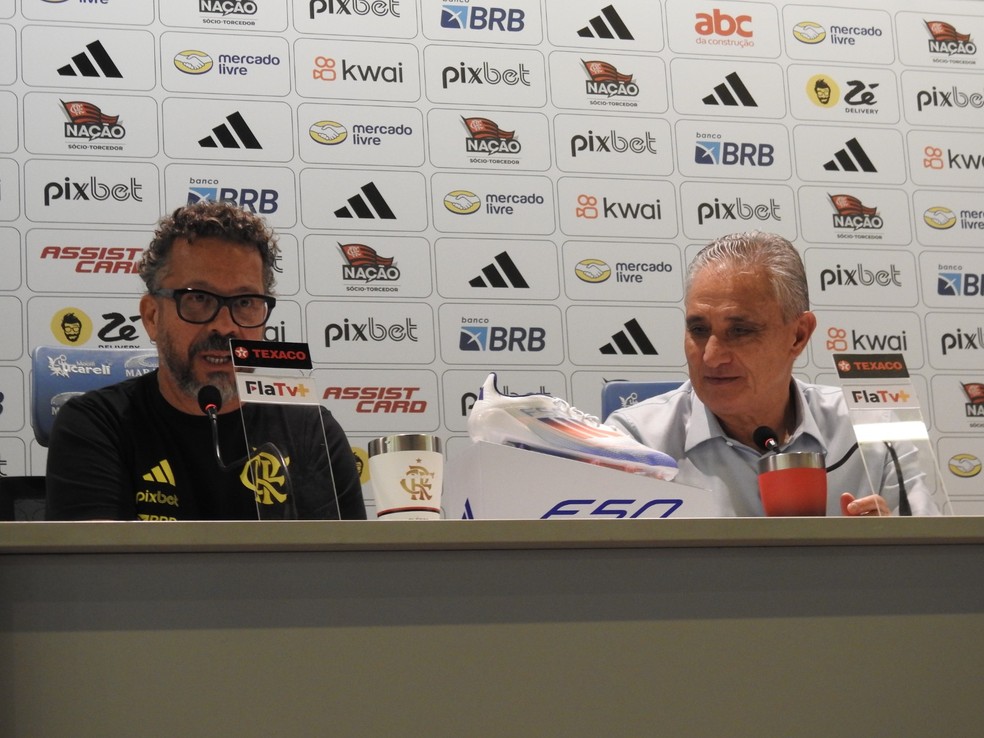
(210, 402)
(765, 438)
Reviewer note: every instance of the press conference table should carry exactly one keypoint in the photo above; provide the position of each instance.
(740, 627)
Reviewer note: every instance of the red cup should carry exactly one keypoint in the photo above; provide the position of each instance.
(793, 484)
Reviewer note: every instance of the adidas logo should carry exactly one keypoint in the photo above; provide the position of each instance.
(732, 92)
(630, 342)
(502, 272)
(852, 158)
(360, 205)
(161, 473)
(85, 64)
(614, 27)
(222, 135)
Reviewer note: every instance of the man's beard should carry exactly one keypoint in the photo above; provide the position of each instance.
(181, 367)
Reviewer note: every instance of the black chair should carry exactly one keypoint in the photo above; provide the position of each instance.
(57, 374)
(21, 498)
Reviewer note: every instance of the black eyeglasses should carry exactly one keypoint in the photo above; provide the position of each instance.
(201, 306)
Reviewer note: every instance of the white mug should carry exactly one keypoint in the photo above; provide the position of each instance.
(407, 472)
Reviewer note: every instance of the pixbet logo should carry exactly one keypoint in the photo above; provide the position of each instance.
(738, 210)
(860, 277)
(378, 8)
(612, 143)
(92, 190)
(371, 330)
(961, 340)
(484, 75)
(481, 18)
(951, 98)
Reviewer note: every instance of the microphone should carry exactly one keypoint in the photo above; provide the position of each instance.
(766, 439)
(210, 402)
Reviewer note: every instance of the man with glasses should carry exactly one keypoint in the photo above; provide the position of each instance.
(143, 448)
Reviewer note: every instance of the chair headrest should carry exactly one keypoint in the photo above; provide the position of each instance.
(61, 372)
(619, 393)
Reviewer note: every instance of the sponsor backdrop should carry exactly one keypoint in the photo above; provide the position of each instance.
(466, 185)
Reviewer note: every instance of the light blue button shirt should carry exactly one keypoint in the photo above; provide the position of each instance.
(679, 424)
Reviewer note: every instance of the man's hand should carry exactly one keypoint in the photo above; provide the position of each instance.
(871, 505)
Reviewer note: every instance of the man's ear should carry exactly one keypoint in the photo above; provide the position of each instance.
(150, 314)
(805, 325)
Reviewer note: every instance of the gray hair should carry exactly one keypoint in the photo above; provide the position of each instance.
(770, 253)
(208, 219)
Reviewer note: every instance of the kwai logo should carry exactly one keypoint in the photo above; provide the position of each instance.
(937, 158)
(329, 69)
(840, 340)
(588, 208)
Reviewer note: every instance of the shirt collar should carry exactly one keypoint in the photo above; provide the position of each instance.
(704, 426)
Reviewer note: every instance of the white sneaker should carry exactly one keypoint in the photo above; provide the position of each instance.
(552, 426)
